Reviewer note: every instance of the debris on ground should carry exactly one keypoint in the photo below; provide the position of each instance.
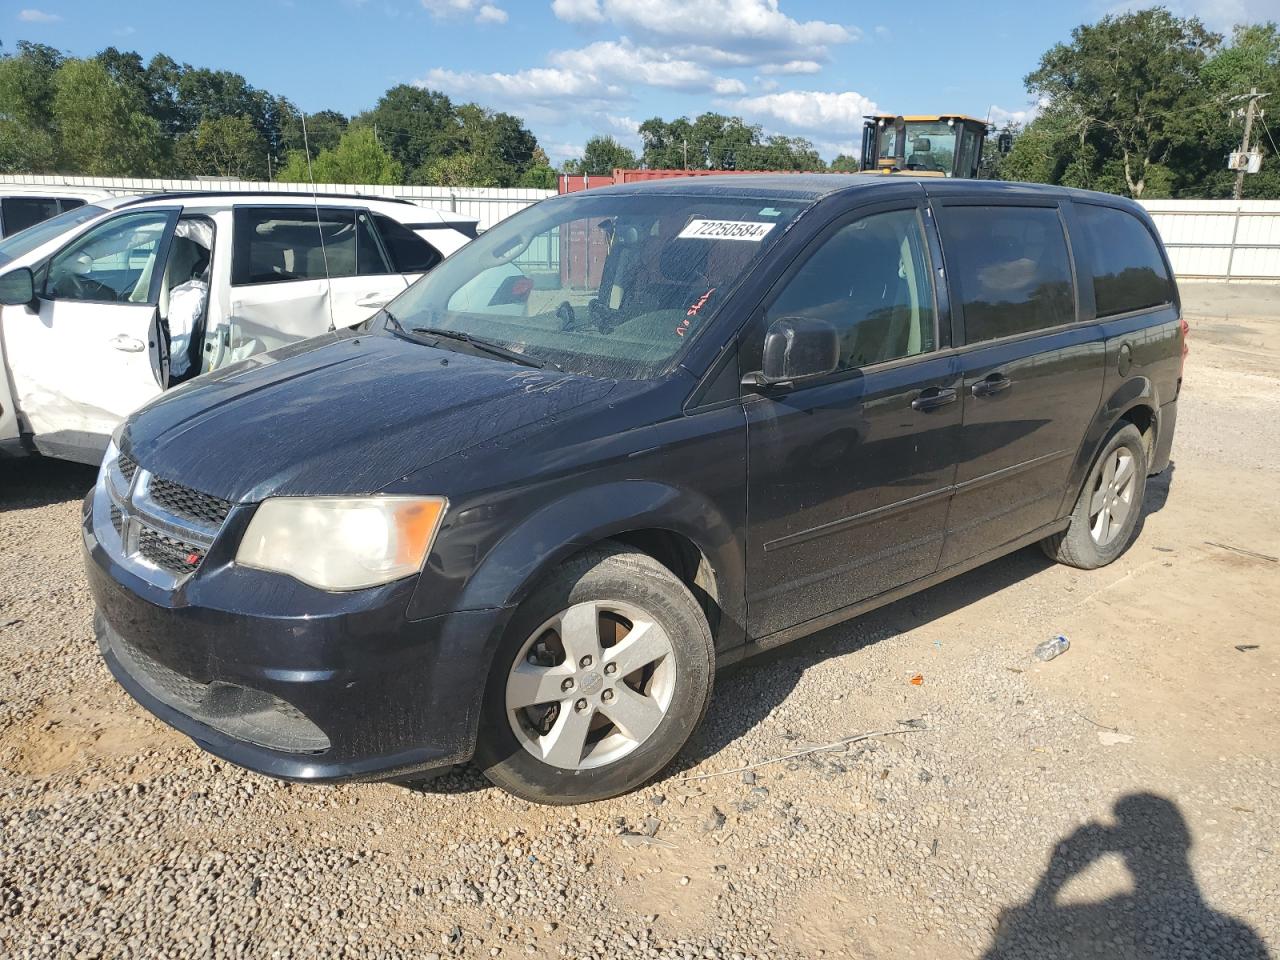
(1053, 647)
(1109, 738)
(1243, 552)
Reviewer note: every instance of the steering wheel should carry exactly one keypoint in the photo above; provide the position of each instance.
(84, 288)
(566, 315)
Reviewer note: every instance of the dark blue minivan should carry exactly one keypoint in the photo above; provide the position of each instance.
(624, 438)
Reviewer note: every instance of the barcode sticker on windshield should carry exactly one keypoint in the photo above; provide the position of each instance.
(726, 230)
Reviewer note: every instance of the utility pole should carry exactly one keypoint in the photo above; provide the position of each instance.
(686, 153)
(1253, 97)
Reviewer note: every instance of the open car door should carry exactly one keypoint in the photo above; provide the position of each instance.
(90, 349)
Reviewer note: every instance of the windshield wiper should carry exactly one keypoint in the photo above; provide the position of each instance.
(484, 346)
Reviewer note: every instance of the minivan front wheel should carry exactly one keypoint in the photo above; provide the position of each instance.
(1106, 515)
(602, 676)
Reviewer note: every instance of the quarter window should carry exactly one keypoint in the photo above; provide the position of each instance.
(275, 245)
(1010, 268)
(113, 263)
(871, 280)
(409, 252)
(1128, 271)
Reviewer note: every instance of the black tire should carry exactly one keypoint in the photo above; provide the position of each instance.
(1076, 546)
(608, 573)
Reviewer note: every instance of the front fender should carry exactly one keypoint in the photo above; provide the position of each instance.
(513, 566)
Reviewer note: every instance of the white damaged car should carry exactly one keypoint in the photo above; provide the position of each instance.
(104, 306)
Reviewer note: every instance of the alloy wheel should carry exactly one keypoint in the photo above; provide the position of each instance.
(590, 685)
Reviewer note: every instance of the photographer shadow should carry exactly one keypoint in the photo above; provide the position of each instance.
(1165, 916)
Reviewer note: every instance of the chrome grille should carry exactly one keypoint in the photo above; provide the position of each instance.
(160, 529)
(188, 503)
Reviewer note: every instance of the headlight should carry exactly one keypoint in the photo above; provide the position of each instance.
(108, 458)
(342, 543)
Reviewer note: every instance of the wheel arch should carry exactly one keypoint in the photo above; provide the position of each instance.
(1135, 401)
(681, 529)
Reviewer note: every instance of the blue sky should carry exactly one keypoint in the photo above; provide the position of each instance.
(573, 68)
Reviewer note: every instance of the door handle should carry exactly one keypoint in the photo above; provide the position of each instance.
(375, 301)
(992, 384)
(931, 398)
(127, 343)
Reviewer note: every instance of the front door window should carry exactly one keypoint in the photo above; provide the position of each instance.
(113, 263)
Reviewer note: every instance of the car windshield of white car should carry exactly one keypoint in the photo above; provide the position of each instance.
(608, 285)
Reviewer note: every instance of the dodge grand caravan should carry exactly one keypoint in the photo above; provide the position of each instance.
(699, 419)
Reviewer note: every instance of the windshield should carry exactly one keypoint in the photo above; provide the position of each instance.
(930, 145)
(24, 241)
(604, 285)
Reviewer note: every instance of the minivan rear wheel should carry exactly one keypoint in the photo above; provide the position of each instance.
(1106, 515)
(604, 673)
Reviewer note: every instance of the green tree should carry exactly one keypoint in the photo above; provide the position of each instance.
(458, 170)
(28, 139)
(416, 125)
(1130, 86)
(601, 155)
(224, 147)
(844, 163)
(358, 158)
(324, 129)
(103, 128)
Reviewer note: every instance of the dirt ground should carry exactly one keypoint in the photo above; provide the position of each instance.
(1119, 801)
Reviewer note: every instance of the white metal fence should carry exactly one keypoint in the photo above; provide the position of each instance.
(489, 204)
(1207, 239)
(1220, 239)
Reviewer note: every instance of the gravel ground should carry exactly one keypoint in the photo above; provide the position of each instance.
(1117, 802)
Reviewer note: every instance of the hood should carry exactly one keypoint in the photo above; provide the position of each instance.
(342, 414)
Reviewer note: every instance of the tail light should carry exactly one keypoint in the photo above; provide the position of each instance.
(1185, 329)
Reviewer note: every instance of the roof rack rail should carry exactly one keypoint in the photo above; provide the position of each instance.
(189, 194)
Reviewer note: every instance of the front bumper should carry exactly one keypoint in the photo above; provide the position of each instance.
(318, 688)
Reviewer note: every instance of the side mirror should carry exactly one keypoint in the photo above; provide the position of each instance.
(17, 287)
(796, 348)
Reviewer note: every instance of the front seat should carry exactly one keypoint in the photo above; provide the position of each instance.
(921, 157)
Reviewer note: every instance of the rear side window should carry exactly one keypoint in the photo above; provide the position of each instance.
(1128, 271)
(22, 212)
(279, 244)
(1011, 269)
(409, 252)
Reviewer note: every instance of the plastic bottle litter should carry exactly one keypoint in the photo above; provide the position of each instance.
(1052, 648)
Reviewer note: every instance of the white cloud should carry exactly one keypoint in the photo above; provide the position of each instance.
(882, 32)
(1219, 15)
(626, 126)
(624, 62)
(809, 110)
(482, 12)
(539, 86)
(792, 66)
(999, 116)
(748, 31)
(578, 11)
(563, 151)
(592, 76)
(38, 16)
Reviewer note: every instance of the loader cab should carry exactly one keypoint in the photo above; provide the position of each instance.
(923, 146)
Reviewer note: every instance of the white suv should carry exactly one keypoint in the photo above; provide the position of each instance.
(109, 304)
